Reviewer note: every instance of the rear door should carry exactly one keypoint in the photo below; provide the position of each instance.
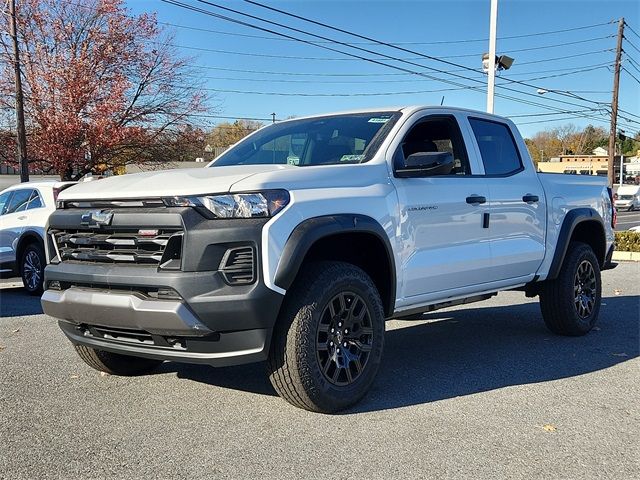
(444, 244)
(517, 208)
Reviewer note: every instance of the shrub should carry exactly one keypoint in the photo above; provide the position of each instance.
(628, 241)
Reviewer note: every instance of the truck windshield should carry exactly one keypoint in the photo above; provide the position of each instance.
(330, 140)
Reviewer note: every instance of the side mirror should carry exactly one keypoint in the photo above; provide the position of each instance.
(426, 164)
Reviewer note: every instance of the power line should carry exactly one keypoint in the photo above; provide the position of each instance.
(541, 47)
(230, 117)
(369, 81)
(565, 57)
(631, 74)
(631, 29)
(305, 94)
(440, 42)
(578, 69)
(545, 114)
(315, 22)
(630, 43)
(633, 63)
(207, 12)
(341, 59)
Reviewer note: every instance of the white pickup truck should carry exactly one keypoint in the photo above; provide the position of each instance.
(296, 244)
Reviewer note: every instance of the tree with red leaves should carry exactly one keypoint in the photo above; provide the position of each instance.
(103, 88)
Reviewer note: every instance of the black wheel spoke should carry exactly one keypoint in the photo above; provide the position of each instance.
(344, 338)
(585, 289)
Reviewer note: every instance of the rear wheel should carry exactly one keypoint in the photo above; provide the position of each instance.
(114, 363)
(32, 268)
(570, 304)
(328, 342)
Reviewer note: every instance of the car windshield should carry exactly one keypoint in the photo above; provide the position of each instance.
(330, 140)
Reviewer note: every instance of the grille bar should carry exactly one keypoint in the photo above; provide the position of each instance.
(132, 247)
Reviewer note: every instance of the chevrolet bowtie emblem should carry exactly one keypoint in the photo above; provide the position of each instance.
(97, 218)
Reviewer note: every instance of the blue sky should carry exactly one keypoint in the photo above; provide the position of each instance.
(312, 80)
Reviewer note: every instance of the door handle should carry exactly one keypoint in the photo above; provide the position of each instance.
(476, 199)
(22, 217)
(528, 198)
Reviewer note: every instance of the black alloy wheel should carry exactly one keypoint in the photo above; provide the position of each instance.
(584, 287)
(32, 268)
(344, 338)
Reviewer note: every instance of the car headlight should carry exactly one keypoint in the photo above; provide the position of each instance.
(236, 205)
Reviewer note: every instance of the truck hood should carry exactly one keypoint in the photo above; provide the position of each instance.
(186, 181)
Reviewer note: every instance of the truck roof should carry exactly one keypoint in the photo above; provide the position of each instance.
(408, 109)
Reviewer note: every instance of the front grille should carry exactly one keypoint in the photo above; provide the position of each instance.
(238, 266)
(136, 247)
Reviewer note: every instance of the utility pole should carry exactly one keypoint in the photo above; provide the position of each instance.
(20, 128)
(273, 117)
(493, 27)
(614, 105)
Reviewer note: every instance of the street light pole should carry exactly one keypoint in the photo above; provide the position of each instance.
(21, 132)
(491, 81)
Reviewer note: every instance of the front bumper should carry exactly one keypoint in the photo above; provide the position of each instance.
(112, 307)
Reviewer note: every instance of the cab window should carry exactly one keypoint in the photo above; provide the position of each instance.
(435, 134)
(498, 149)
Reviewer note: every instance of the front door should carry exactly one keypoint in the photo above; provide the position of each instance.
(444, 244)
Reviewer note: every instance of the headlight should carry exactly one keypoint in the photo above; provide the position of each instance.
(236, 205)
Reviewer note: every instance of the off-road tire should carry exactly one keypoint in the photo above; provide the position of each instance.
(558, 298)
(294, 364)
(32, 263)
(114, 363)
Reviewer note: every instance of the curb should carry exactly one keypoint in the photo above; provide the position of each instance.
(626, 256)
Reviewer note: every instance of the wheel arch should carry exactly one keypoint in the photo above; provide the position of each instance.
(353, 238)
(583, 225)
(27, 238)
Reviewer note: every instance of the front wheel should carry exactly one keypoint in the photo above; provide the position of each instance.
(570, 304)
(328, 341)
(32, 266)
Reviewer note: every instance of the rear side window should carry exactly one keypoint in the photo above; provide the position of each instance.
(498, 149)
(19, 201)
(35, 201)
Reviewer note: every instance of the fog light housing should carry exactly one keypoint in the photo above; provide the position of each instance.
(54, 285)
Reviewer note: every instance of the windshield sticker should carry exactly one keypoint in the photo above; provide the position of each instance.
(351, 158)
(378, 120)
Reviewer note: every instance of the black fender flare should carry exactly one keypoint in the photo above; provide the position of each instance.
(308, 232)
(571, 220)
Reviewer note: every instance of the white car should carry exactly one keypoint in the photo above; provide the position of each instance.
(24, 211)
(628, 196)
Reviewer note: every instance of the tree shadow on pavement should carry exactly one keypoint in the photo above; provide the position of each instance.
(16, 302)
(468, 351)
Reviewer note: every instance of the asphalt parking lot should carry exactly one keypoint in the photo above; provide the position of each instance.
(626, 220)
(477, 392)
